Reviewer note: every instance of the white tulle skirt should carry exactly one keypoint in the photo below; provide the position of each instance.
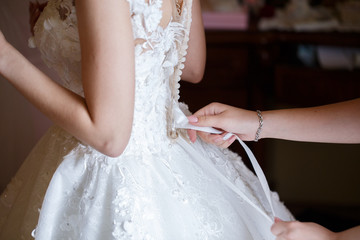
(176, 190)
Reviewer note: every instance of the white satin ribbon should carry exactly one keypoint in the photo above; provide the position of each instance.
(181, 121)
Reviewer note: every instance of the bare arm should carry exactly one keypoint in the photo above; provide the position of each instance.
(103, 118)
(336, 123)
(350, 234)
(295, 230)
(196, 53)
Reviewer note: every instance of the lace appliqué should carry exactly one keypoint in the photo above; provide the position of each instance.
(130, 197)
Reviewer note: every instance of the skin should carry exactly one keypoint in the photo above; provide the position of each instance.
(310, 231)
(196, 53)
(107, 109)
(92, 115)
(336, 123)
(333, 123)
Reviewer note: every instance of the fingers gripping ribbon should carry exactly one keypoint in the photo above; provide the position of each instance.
(182, 122)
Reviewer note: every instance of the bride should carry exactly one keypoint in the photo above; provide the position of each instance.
(118, 164)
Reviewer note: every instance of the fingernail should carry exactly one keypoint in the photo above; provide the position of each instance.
(193, 119)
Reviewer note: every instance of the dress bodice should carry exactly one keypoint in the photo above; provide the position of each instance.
(158, 188)
(159, 55)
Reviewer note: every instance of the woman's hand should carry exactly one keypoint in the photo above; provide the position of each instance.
(295, 230)
(243, 123)
(216, 139)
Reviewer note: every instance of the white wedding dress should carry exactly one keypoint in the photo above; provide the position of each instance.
(162, 187)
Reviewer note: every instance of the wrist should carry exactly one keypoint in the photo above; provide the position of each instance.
(268, 128)
(5, 53)
(260, 126)
(334, 236)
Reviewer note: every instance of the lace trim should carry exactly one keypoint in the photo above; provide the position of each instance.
(70, 49)
(174, 82)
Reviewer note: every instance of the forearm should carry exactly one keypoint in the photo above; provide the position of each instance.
(350, 234)
(337, 123)
(196, 52)
(35, 86)
(103, 119)
(62, 106)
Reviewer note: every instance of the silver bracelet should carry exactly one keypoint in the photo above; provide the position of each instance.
(261, 122)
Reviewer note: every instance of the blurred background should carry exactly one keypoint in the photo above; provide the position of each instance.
(260, 55)
(21, 125)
